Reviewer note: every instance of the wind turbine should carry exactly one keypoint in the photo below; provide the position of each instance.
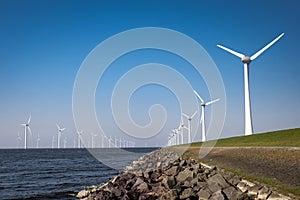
(92, 136)
(60, 131)
(189, 118)
(65, 142)
(78, 139)
(180, 130)
(38, 141)
(120, 141)
(247, 60)
(109, 142)
(26, 127)
(53, 141)
(176, 136)
(18, 140)
(202, 120)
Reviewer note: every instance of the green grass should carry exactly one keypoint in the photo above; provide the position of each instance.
(282, 138)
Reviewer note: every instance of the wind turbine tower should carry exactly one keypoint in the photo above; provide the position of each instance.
(202, 120)
(26, 127)
(247, 60)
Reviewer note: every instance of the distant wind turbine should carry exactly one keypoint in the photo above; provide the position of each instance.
(38, 141)
(18, 140)
(65, 142)
(92, 136)
(79, 139)
(189, 118)
(26, 127)
(202, 120)
(176, 136)
(247, 60)
(53, 141)
(59, 131)
(109, 142)
(181, 129)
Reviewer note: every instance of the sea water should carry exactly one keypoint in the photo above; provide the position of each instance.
(57, 173)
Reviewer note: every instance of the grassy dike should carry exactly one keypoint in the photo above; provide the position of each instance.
(282, 138)
(282, 157)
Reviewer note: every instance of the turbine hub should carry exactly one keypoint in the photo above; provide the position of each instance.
(203, 104)
(246, 59)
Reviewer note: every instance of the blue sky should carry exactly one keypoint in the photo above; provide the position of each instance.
(43, 43)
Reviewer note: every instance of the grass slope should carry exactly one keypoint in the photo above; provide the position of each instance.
(282, 138)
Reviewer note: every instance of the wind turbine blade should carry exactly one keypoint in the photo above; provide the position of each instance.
(266, 47)
(202, 101)
(231, 51)
(63, 129)
(213, 101)
(57, 127)
(29, 119)
(179, 127)
(185, 115)
(29, 130)
(23, 124)
(194, 114)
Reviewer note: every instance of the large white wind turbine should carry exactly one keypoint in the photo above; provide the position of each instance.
(26, 127)
(202, 120)
(189, 118)
(247, 60)
(59, 131)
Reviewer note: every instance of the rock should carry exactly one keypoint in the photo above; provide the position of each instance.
(263, 193)
(182, 163)
(217, 196)
(170, 195)
(83, 194)
(242, 186)
(253, 191)
(216, 183)
(169, 181)
(234, 180)
(185, 175)
(187, 193)
(199, 186)
(117, 192)
(143, 187)
(232, 193)
(204, 194)
(172, 171)
(138, 182)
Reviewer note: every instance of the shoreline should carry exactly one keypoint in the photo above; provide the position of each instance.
(163, 174)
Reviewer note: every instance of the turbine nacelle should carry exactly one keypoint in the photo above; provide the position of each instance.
(246, 59)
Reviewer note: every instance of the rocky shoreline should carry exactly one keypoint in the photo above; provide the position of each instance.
(165, 175)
